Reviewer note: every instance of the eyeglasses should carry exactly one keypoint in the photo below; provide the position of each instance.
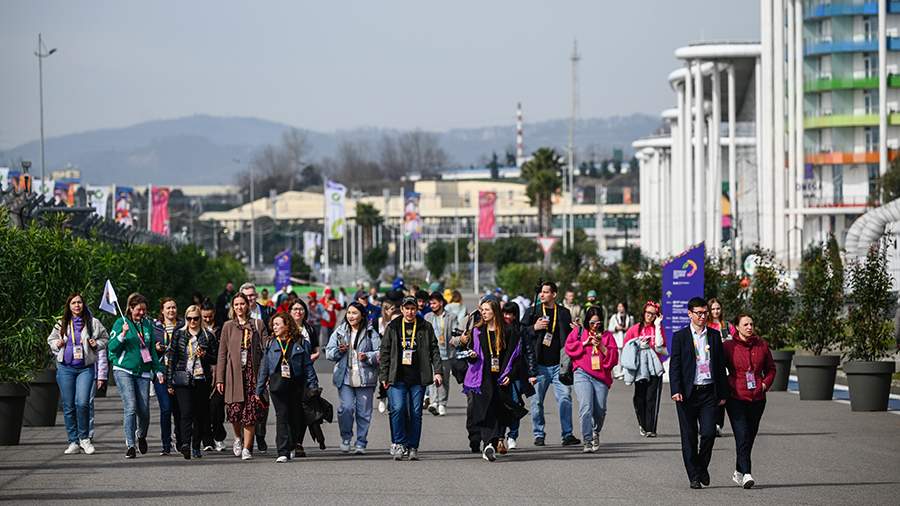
(297, 309)
(701, 314)
(651, 313)
(192, 318)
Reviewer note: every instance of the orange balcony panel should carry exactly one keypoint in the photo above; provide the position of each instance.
(846, 158)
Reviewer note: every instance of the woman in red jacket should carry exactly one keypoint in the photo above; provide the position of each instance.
(751, 371)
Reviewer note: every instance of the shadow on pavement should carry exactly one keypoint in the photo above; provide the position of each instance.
(94, 494)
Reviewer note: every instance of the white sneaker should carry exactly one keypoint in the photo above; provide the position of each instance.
(237, 447)
(293, 455)
(87, 446)
(220, 446)
(718, 431)
(281, 460)
(426, 402)
(246, 455)
(382, 407)
(747, 481)
(738, 478)
(359, 450)
(442, 410)
(72, 449)
(643, 432)
(345, 446)
(511, 443)
(595, 442)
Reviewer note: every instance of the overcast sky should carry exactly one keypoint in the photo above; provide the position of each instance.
(330, 65)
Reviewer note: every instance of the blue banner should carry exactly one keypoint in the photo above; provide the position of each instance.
(682, 280)
(282, 269)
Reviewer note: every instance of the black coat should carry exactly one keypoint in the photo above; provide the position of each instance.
(683, 366)
(177, 354)
(525, 365)
(494, 404)
(427, 358)
(535, 338)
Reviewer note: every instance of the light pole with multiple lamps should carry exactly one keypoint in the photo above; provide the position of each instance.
(42, 53)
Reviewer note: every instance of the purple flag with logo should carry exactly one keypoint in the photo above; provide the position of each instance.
(282, 269)
(682, 280)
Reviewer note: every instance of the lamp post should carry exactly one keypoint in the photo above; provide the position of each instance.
(42, 53)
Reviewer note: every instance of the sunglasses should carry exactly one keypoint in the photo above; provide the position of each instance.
(192, 318)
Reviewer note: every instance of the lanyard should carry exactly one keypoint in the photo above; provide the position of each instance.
(284, 345)
(245, 344)
(553, 326)
(403, 337)
(72, 333)
(140, 333)
(696, 346)
(490, 346)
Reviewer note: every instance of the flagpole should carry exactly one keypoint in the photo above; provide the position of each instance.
(150, 207)
(325, 234)
(475, 279)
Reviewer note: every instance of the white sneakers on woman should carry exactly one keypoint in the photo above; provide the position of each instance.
(281, 460)
(246, 455)
(743, 480)
(86, 446)
(72, 449)
(237, 447)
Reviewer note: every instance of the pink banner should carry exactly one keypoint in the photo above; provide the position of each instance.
(487, 225)
(160, 211)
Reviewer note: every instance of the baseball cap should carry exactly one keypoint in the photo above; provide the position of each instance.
(409, 301)
(592, 293)
(359, 295)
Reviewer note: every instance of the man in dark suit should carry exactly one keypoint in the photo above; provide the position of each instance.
(699, 385)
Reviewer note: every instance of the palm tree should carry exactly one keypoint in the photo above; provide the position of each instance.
(368, 217)
(544, 176)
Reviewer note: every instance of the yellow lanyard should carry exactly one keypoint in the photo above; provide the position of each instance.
(246, 342)
(490, 344)
(72, 332)
(190, 348)
(403, 337)
(553, 326)
(284, 349)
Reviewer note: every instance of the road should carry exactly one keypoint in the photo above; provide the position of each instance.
(807, 453)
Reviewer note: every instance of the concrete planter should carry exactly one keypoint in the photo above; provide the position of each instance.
(783, 360)
(42, 403)
(870, 385)
(816, 374)
(12, 407)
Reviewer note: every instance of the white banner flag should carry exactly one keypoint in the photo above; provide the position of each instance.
(309, 248)
(43, 187)
(335, 215)
(4, 178)
(97, 197)
(109, 301)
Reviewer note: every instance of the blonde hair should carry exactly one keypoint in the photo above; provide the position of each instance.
(193, 308)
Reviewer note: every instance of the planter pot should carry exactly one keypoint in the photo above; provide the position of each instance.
(12, 407)
(870, 385)
(782, 370)
(816, 376)
(43, 401)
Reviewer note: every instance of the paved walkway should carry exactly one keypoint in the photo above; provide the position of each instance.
(807, 453)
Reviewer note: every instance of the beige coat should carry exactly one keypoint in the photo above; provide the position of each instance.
(228, 366)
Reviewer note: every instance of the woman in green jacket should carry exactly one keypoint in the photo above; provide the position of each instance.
(132, 354)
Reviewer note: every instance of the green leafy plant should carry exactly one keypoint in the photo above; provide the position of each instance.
(518, 279)
(375, 259)
(818, 326)
(870, 336)
(436, 258)
(770, 302)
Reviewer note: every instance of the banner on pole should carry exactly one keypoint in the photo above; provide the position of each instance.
(487, 223)
(160, 211)
(4, 178)
(97, 197)
(282, 270)
(412, 223)
(335, 214)
(309, 248)
(682, 280)
(64, 192)
(43, 187)
(124, 199)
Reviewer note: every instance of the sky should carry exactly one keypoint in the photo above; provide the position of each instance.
(333, 65)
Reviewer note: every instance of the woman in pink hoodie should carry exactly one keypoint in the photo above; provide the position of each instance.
(594, 353)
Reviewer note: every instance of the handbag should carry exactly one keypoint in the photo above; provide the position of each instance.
(181, 379)
(566, 373)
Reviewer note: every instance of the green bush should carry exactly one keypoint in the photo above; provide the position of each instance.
(515, 249)
(817, 326)
(871, 328)
(436, 257)
(770, 302)
(517, 279)
(374, 261)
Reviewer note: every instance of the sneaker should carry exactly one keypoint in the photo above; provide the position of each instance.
(651, 434)
(142, 445)
(72, 449)
(489, 454)
(281, 460)
(359, 450)
(426, 402)
(208, 448)
(539, 441)
(165, 453)
(595, 442)
(588, 448)
(738, 478)
(345, 446)
(748, 481)
(398, 451)
(197, 454)
(220, 446)
(643, 432)
(412, 454)
(261, 447)
(511, 443)
(87, 446)
(292, 455)
(442, 410)
(433, 410)
(236, 447)
(130, 453)
(246, 455)
(570, 440)
(718, 431)
(382, 407)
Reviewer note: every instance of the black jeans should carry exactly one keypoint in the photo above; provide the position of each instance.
(745, 417)
(193, 415)
(697, 410)
(646, 402)
(288, 417)
(261, 431)
(217, 417)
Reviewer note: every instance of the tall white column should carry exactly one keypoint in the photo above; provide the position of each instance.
(714, 198)
(800, 218)
(682, 238)
(699, 159)
(779, 176)
(676, 192)
(658, 202)
(644, 203)
(732, 161)
(689, 154)
(882, 87)
(792, 95)
(764, 185)
(666, 247)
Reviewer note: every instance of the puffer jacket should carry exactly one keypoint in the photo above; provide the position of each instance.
(368, 342)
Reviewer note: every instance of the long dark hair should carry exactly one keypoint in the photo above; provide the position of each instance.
(498, 321)
(298, 300)
(593, 310)
(86, 316)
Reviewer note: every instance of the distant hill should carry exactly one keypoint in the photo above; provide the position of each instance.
(201, 149)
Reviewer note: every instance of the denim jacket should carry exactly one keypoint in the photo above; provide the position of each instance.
(301, 366)
(368, 342)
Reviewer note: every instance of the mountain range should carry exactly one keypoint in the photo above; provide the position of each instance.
(204, 149)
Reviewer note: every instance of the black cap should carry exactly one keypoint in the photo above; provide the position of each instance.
(436, 295)
(407, 301)
(359, 295)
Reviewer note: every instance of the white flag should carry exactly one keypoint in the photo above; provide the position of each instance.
(43, 187)
(335, 220)
(109, 301)
(4, 178)
(97, 197)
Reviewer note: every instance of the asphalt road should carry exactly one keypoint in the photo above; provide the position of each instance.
(807, 453)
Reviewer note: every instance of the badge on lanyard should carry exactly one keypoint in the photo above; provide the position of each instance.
(751, 380)
(285, 369)
(548, 339)
(595, 362)
(703, 369)
(243, 358)
(495, 364)
(407, 357)
(198, 368)
(442, 340)
(77, 352)
(145, 355)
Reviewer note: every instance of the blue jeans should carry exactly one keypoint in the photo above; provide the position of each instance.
(592, 395)
(548, 374)
(517, 387)
(406, 413)
(356, 404)
(165, 414)
(75, 390)
(135, 393)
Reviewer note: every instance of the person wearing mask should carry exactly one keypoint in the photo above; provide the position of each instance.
(288, 371)
(593, 353)
(299, 312)
(223, 303)
(650, 339)
(547, 325)
(574, 308)
(187, 378)
(390, 310)
(77, 340)
(164, 332)
(618, 324)
(524, 375)
(409, 362)
(457, 307)
(443, 323)
(217, 433)
(354, 349)
(263, 314)
(751, 371)
(240, 351)
(488, 378)
(132, 353)
(717, 321)
(698, 384)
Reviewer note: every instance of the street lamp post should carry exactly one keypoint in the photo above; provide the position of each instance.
(42, 53)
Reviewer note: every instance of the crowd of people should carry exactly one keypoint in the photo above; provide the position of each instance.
(234, 358)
